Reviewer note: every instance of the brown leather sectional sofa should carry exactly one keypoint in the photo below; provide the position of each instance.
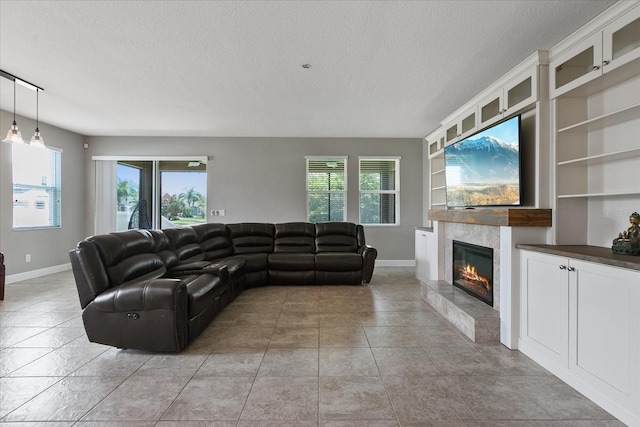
(157, 290)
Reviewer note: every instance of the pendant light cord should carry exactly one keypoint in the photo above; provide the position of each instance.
(37, 110)
(14, 101)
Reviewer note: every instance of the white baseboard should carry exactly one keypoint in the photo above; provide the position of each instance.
(395, 263)
(37, 273)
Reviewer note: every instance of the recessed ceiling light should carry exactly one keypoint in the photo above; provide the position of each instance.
(306, 66)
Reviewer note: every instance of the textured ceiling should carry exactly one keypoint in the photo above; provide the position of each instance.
(205, 68)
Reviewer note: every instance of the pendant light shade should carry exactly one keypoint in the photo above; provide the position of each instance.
(36, 139)
(14, 136)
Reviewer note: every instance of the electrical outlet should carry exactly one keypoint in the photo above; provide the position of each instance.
(27, 258)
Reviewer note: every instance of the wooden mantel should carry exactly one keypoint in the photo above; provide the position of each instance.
(509, 217)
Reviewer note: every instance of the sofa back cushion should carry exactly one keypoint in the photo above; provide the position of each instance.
(336, 237)
(214, 240)
(295, 237)
(123, 257)
(163, 248)
(183, 242)
(252, 237)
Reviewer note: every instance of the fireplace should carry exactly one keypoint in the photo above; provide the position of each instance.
(473, 270)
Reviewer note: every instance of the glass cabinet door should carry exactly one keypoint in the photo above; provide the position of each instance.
(621, 41)
(576, 66)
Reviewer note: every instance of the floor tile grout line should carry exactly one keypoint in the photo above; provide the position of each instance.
(255, 377)
(4, 418)
(181, 390)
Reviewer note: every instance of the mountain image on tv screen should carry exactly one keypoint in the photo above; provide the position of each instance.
(484, 169)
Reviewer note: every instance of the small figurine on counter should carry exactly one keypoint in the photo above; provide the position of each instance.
(628, 242)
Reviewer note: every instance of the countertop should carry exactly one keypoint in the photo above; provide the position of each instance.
(597, 254)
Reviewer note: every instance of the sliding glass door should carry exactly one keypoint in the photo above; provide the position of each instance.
(161, 192)
(183, 189)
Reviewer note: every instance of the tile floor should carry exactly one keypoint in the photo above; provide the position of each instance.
(278, 356)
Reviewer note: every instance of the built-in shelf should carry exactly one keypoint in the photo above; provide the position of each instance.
(602, 158)
(439, 171)
(606, 120)
(510, 217)
(607, 194)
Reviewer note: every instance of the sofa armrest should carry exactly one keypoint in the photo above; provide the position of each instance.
(201, 267)
(147, 295)
(149, 315)
(369, 255)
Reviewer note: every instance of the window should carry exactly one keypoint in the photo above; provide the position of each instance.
(326, 189)
(379, 190)
(37, 187)
(160, 193)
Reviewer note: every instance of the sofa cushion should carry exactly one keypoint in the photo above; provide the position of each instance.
(126, 256)
(295, 237)
(136, 267)
(252, 237)
(291, 261)
(114, 247)
(214, 239)
(336, 237)
(184, 244)
(163, 248)
(255, 261)
(338, 261)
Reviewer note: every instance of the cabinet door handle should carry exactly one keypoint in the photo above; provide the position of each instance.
(595, 68)
(571, 269)
(605, 62)
(563, 267)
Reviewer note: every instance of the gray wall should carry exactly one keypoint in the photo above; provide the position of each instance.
(263, 179)
(48, 247)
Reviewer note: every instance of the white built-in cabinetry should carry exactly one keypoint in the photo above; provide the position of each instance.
(595, 91)
(581, 321)
(519, 92)
(428, 242)
(461, 126)
(516, 92)
(616, 44)
(437, 195)
(422, 262)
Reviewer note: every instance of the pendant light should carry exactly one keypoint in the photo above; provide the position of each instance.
(14, 136)
(36, 139)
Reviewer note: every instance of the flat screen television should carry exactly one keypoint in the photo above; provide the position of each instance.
(484, 169)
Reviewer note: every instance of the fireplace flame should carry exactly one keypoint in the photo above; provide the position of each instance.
(469, 272)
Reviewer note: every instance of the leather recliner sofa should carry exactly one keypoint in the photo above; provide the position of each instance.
(157, 290)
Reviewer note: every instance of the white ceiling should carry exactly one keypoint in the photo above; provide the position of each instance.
(233, 68)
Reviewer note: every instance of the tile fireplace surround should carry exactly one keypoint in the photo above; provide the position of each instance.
(474, 318)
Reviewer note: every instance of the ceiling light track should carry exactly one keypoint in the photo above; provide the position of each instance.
(14, 136)
(20, 81)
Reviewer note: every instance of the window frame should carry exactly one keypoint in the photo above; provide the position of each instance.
(343, 191)
(395, 192)
(55, 189)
